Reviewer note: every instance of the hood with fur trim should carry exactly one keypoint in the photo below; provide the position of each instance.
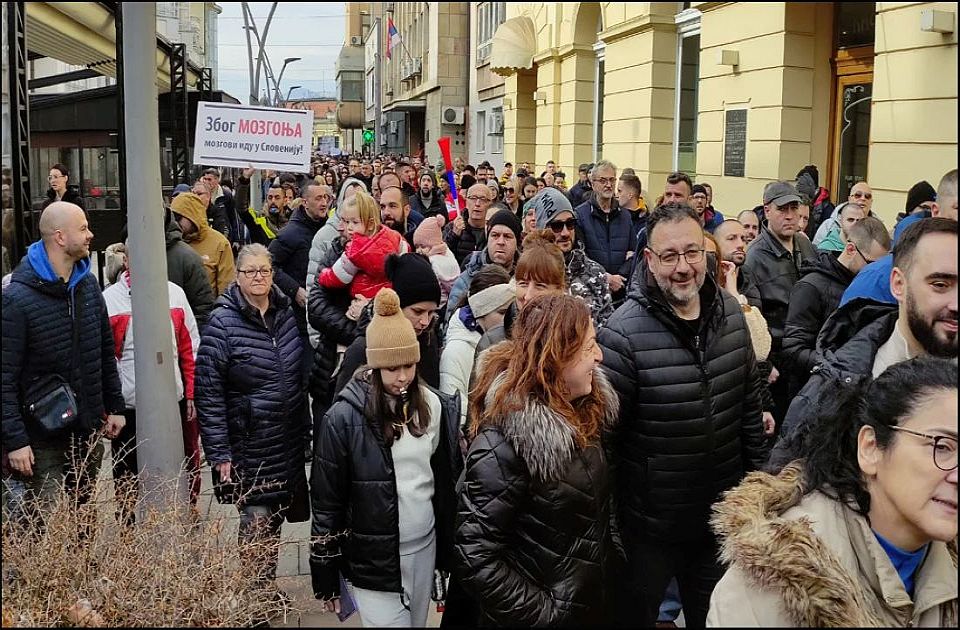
(787, 541)
(543, 438)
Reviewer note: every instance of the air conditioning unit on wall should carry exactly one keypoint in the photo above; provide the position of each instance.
(356, 40)
(450, 115)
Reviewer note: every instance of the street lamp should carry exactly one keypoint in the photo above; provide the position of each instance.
(286, 62)
(292, 88)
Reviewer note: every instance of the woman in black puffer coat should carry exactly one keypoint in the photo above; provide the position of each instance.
(535, 540)
(383, 481)
(250, 401)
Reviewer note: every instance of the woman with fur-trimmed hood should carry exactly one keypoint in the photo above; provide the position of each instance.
(534, 538)
(861, 529)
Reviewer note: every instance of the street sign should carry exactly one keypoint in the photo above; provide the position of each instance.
(261, 137)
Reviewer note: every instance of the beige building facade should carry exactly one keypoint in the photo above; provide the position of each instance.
(737, 94)
(419, 93)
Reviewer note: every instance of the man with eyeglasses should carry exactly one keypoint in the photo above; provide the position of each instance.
(680, 357)
(773, 262)
(817, 295)
(861, 196)
(586, 279)
(863, 338)
(607, 229)
(700, 201)
(464, 236)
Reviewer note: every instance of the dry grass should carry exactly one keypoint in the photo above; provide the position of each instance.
(77, 564)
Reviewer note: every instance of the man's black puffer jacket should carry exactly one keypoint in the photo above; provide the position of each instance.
(690, 424)
(535, 536)
(327, 313)
(813, 299)
(354, 496)
(249, 396)
(846, 350)
(38, 340)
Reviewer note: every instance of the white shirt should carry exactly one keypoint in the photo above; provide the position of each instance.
(414, 475)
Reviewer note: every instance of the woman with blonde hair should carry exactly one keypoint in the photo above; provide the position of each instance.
(534, 540)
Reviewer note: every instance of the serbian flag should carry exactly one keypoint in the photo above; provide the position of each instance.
(393, 37)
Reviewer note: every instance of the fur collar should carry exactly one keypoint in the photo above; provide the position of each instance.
(542, 438)
(787, 555)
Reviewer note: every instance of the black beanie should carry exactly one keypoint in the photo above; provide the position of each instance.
(812, 171)
(507, 218)
(920, 193)
(698, 188)
(412, 278)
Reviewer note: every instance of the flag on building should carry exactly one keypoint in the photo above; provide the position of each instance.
(393, 37)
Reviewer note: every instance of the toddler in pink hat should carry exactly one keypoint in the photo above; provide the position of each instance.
(428, 240)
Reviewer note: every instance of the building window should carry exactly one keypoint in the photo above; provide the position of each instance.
(496, 130)
(481, 132)
(688, 80)
(490, 15)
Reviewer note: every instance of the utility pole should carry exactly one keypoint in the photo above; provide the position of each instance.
(159, 435)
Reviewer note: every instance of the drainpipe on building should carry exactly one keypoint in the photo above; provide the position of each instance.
(159, 436)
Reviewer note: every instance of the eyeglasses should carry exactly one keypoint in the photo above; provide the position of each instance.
(253, 273)
(944, 448)
(868, 260)
(608, 181)
(557, 226)
(861, 195)
(509, 190)
(672, 259)
(478, 198)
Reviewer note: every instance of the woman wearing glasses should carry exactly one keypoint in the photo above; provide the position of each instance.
(861, 529)
(60, 190)
(250, 403)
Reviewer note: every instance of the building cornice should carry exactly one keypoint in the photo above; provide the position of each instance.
(640, 24)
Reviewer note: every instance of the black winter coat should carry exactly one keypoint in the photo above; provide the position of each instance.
(436, 206)
(291, 254)
(71, 195)
(327, 310)
(846, 350)
(38, 317)
(607, 237)
(469, 241)
(225, 206)
(813, 299)
(690, 425)
(354, 496)
(249, 396)
(775, 270)
(185, 269)
(356, 355)
(535, 535)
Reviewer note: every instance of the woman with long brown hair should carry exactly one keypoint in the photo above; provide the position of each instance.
(534, 536)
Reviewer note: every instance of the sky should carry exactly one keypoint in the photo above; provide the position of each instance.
(310, 30)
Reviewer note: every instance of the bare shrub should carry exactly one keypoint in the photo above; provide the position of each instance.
(76, 564)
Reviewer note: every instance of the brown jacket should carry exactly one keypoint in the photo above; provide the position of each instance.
(212, 246)
(808, 560)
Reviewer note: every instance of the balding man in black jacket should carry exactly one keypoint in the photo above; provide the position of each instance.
(679, 354)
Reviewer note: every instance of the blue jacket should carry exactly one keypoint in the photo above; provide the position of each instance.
(249, 396)
(39, 311)
(607, 237)
(873, 281)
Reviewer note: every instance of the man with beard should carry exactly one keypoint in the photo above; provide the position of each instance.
(395, 212)
(751, 226)
(863, 338)
(679, 355)
(586, 279)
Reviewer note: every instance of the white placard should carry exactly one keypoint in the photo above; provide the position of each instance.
(261, 137)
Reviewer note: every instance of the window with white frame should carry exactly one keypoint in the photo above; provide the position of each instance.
(490, 15)
(481, 132)
(688, 79)
(496, 130)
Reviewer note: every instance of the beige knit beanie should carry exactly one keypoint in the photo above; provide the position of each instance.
(391, 340)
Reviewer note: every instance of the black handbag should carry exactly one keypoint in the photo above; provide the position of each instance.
(49, 400)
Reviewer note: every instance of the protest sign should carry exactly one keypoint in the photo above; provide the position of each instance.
(261, 137)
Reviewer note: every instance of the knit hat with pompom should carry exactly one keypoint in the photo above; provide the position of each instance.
(391, 340)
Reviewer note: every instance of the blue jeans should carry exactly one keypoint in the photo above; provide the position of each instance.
(670, 608)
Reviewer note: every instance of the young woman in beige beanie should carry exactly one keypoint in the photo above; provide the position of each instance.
(383, 481)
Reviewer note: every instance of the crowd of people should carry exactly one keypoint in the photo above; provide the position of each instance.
(541, 405)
